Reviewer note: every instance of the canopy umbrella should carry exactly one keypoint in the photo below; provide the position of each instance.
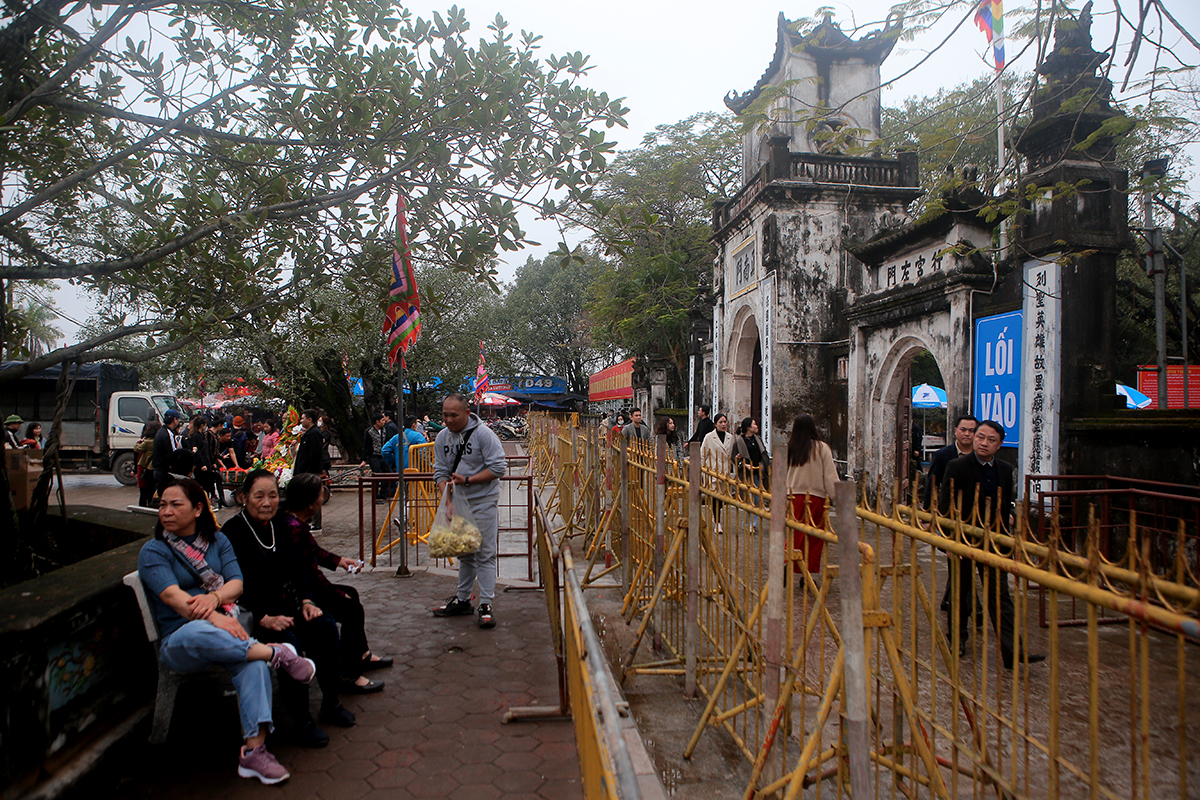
(926, 396)
(497, 399)
(1133, 398)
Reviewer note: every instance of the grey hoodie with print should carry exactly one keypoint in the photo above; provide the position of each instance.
(483, 451)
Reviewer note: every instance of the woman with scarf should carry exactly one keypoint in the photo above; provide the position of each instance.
(716, 453)
(666, 427)
(280, 597)
(752, 458)
(194, 582)
(305, 496)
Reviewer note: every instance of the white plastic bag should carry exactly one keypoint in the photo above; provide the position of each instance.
(454, 531)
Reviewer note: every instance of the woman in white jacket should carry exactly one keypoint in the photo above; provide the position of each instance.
(716, 453)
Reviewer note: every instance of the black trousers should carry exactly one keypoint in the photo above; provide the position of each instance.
(343, 603)
(317, 640)
(998, 601)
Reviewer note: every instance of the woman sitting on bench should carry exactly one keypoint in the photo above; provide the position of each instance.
(194, 581)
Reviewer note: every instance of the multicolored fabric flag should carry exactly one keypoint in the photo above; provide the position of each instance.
(402, 322)
(481, 378)
(990, 19)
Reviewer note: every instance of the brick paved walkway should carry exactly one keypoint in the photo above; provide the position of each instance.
(435, 730)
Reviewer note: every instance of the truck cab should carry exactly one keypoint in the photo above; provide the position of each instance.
(128, 412)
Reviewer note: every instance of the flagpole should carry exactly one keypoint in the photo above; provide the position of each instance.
(1001, 155)
(402, 571)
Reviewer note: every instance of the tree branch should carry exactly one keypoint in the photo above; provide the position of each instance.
(104, 110)
(279, 212)
(80, 176)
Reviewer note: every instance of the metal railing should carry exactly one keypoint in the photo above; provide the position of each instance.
(950, 712)
(516, 516)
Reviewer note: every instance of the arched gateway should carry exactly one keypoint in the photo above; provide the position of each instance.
(825, 291)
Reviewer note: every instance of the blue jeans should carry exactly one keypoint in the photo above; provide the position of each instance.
(199, 645)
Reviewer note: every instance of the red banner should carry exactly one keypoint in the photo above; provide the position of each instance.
(1148, 385)
(613, 383)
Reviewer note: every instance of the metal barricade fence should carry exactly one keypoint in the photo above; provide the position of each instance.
(515, 514)
(1108, 715)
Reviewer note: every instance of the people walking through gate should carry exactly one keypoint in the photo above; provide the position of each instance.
(194, 581)
(994, 479)
(751, 456)
(963, 444)
(635, 429)
(468, 456)
(666, 427)
(811, 480)
(716, 453)
(704, 425)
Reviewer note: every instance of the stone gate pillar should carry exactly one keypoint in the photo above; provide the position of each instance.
(1072, 224)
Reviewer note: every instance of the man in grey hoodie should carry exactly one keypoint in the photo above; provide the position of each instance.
(468, 455)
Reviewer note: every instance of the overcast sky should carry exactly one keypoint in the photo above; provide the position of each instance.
(670, 60)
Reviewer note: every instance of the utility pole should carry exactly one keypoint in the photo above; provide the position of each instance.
(1151, 171)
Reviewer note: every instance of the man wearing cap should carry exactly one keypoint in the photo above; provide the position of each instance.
(164, 445)
(11, 426)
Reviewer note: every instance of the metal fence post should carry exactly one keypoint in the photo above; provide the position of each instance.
(623, 500)
(853, 641)
(660, 527)
(774, 619)
(691, 627)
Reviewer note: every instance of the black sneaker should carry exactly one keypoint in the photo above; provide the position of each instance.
(336, 714)
(486, 620)
(454, 608)
(309, 735)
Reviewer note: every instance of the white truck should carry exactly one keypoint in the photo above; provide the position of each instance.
(104, 417)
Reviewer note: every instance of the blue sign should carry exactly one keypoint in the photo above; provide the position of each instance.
(529, 384)
(998, 373)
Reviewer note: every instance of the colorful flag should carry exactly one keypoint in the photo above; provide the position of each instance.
(481, 378)
(990, 19)
(402, 322)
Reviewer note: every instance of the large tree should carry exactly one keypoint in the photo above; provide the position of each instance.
(653, 242)
(211, 165)
(541, 329)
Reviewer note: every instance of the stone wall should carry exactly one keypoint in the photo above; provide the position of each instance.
(73, 650)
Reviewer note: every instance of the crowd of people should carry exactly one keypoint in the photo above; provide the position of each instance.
(966, 463)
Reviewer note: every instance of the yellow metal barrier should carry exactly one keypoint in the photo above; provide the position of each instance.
(421, 506)
(1107, 715)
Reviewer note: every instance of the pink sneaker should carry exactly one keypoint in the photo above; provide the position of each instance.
(258, 763)
(295, 665)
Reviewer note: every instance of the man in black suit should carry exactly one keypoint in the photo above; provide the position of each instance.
(994, 480)
(704, 425)
(962, 444)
